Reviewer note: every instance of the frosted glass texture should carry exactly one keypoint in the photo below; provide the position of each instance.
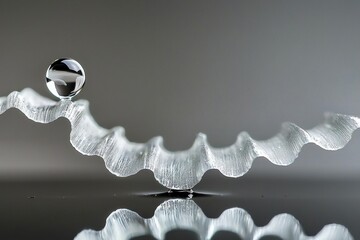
(180, 169)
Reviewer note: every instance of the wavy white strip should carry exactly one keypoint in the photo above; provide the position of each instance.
(182, 214)
(181, 169)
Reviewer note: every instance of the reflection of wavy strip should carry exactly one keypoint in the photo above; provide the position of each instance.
(185, 214)
(182, 169)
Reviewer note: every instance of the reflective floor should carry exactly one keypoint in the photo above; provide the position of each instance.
(135, 208)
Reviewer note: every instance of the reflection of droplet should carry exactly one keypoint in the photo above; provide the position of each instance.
(65, 78)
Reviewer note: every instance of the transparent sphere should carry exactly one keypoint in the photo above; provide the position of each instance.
(65, 78)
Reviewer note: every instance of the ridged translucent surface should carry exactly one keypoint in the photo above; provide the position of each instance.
(185, 214)
(181, 169)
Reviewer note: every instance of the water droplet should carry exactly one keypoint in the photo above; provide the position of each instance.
(65, 78)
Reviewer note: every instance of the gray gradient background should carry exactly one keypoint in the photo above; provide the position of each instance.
(176, 68)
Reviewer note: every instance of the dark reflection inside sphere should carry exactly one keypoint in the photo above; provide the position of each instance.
(65, 78)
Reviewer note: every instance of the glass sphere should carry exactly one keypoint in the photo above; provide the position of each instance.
(65, 78)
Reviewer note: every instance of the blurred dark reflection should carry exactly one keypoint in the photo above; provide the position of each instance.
(184, 216)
